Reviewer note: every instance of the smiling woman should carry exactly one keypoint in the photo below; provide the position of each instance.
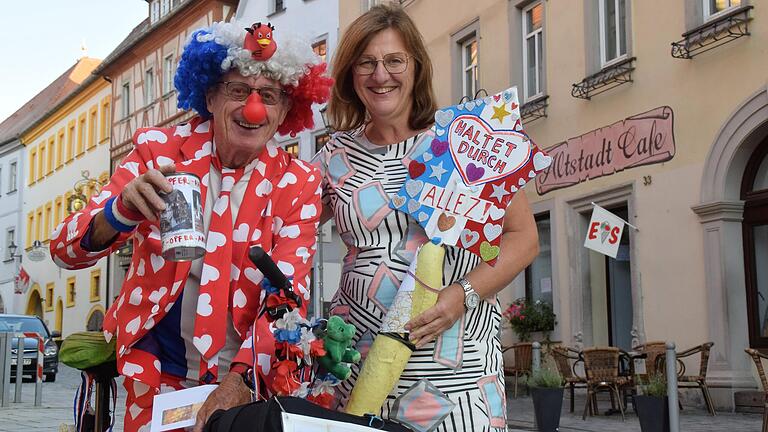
(383, 106)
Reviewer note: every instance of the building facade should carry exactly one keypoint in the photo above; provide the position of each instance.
(13, 181)
(63, 147)
(11, 195)
(317, 22)
(141, 70)
(656, 111)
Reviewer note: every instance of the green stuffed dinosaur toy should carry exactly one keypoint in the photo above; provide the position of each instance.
(338, 348)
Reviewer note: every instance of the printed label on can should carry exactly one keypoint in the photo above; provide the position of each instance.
(181, 223)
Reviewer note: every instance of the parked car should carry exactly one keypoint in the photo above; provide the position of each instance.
(27, 323)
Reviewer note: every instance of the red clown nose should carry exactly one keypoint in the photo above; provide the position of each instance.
(254, 110)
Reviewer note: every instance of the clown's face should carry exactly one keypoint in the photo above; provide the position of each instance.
(237, 141)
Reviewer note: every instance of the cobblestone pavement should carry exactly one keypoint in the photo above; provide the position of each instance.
(692, 418)
(56, 408)
(58, 396)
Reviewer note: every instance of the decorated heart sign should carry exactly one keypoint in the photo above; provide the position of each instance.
(482, 153)
(464, 172)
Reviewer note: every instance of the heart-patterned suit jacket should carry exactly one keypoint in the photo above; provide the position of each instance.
(280, 212)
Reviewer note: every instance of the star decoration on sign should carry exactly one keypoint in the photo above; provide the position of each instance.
(499, 112)
(438, 171)
(499, 191)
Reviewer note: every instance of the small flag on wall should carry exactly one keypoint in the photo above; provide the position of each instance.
(604, 232)
(22, 282)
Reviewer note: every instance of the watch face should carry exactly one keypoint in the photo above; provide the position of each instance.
(472, 300)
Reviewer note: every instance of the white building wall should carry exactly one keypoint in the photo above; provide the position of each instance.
(314, 20)
(47, 189)
(11, 195)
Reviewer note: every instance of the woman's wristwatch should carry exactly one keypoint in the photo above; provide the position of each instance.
(471, 298)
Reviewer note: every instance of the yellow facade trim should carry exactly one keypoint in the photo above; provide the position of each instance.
(50, 153)
(95, 285)
(81, 131)
(35, 289)
(60, 148)
(30, 226)
(93, 122)
(71, 293)
(63, 112)
(47, 224)
(106, 123)
(32, 165)
(71, 140)
(50, 289)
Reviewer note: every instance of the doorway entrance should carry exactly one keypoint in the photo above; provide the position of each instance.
(610, 291)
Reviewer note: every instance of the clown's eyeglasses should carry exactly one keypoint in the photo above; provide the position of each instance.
(240, 91)
(394, 63)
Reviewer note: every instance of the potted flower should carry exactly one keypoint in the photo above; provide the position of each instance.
(547, 393)
(526, 318)
(653, 406)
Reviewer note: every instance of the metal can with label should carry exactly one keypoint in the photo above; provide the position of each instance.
(181, 223)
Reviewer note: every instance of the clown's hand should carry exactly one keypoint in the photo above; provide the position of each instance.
(230, 393)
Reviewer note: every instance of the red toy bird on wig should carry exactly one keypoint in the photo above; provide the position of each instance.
(259, 41)
(261, 45)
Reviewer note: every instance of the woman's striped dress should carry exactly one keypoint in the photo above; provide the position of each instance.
(464, 387)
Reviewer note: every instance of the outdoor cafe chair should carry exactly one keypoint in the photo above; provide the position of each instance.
(566, 359)
(601, 365)
(522, 361)
(698, 380)
(758, 357)
(653, 351)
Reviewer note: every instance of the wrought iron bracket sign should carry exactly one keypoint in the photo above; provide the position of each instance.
(604, 80)
(534, 109)
(712, 34)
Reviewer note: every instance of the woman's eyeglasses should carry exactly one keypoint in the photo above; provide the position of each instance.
(240, 91)
(394, 63)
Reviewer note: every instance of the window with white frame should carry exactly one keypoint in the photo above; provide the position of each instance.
(538, 275)
(165, 7)
(125, 99)
(277, 6)
(149, 86)
(715, 7)
(154, 11)
(613, 30)
(470, 78)
(12, 176)
(533, 52)
(320, 48)
(10, 236)
(168, 74)
(368, 4)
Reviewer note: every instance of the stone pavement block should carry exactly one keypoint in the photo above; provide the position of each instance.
(692, 418)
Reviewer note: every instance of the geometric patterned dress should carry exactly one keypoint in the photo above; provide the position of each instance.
(453, 384)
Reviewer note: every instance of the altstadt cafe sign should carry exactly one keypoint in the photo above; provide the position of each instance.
(642, 139)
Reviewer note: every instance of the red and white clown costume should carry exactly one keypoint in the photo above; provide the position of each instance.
(277, 207)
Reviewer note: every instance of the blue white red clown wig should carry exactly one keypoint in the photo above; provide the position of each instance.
(212, 51)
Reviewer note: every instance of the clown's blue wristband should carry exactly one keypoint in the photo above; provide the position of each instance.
(112, 219)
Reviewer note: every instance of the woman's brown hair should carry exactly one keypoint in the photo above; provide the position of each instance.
(345, 109)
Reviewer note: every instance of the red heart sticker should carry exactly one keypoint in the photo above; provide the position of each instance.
(416, 169)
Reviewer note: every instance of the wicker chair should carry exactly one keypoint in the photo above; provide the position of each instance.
(566, 359)
(699, 380)
(758, 357)
(523, 359)
(654, 350)
(601, 365)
